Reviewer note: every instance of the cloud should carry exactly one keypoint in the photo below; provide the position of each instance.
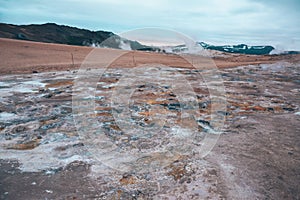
(248, 21)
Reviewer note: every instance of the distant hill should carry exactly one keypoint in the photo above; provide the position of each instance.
(245, 49)
(60, 34)
(240, 48)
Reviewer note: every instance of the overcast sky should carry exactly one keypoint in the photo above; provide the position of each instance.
(253, 22)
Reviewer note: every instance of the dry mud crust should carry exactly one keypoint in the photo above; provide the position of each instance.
(259, 157)
(70, 182)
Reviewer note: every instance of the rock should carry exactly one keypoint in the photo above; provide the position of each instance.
(178, 170)
(203, 122)
(18, 129)
(258, 108)
(128, 179)
(288, 109)
(173, 106)
(224, 113)
(48, 95)
(172, 94)
(25, 146)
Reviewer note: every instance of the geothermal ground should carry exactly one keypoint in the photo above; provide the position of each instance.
(144, 135)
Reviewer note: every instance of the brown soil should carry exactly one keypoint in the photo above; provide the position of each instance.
(18, 57)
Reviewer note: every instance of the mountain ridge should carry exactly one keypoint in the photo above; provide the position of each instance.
(62, 34)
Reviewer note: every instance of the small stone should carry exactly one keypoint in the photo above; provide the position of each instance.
(128, 179)
(26, 146)
(172, 95)
(280, 177)
(48, 95)
(288, 109)
(224, 113)
(19, 129)
(124, 138)
(258, 108)
(141, 86)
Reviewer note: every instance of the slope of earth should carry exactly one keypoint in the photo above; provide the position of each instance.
(26, 57)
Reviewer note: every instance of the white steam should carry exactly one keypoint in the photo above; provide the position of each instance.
(124, 45)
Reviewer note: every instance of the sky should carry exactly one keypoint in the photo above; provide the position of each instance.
(254, 22)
